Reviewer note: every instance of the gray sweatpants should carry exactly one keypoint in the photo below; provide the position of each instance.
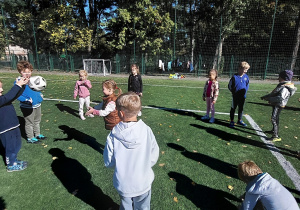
(32, 118)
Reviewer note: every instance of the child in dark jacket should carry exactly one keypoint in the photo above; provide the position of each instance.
(10, 134)
(278, 98)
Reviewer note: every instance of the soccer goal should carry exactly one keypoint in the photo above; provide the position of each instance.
(97, 66)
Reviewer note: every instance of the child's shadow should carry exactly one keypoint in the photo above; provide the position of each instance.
(178, 111)
(68, 109)
(215, 164)
(202, 196)
(2, 204)
(22, 127)
(81, 137)
(77, 180)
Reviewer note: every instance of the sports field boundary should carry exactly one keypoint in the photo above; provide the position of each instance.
(286, 165)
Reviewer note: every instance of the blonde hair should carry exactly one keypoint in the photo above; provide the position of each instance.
(244, 65)
(216, 72)
(136, 66)
(247, 170)
(22, 65)
(111, 84)
(129, 103)
(83, 72)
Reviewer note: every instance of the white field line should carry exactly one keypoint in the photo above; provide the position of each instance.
(286, 165)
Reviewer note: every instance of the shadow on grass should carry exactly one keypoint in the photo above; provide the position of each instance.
(2, 204)
(178, 111)
(198, 117)
(213, 163)
(63, 108)
(74, 134)
(266, 104)
(295, 192)
(232, 137)
(77, 180)
(202, 196)
(22, 127)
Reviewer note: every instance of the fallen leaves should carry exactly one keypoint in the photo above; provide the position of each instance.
(175, 199)
(162, 164)
(230, 188)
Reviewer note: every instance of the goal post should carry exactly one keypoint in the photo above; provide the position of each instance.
(97, 66)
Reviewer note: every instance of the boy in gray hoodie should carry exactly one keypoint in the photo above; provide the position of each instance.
(131, 149)
(278, 98)
(263, 191)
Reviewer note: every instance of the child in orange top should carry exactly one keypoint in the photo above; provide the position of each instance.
(107, 108)
(210, 95)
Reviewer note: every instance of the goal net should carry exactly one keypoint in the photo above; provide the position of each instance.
(97, 66)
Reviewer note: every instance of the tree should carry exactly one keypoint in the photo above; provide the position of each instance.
(139, 22)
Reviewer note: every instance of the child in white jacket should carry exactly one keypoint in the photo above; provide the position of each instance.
(131, 149)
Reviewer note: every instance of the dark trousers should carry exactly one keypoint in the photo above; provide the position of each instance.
(237, 101)
(275, 119)
(11, 141)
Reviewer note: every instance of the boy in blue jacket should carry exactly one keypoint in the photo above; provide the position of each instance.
(30, 104)
(10, 134)
(131, 149)
(238, 86)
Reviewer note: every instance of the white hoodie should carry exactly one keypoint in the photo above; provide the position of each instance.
(131, 149)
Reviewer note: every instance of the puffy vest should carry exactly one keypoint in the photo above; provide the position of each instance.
(112, 119)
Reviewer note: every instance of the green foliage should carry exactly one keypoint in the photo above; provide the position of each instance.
(61, 27)
(142, 23)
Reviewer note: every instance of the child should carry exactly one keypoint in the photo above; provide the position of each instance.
(210, 95)
(263, 188)
(131, 149)
(135, 83)
(238, 86)
(278, 98)
(10, 134)
(82, 87)
(30, 104)
(107, 108)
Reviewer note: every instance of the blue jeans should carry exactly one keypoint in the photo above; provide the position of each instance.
(11, 141)
(141, 202)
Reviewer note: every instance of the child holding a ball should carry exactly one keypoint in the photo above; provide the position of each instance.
(10, 134)
(107, 108)
(30, 104)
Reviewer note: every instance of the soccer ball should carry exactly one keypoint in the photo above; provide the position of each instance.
(37, 83)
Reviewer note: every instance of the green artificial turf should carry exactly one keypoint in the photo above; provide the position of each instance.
(197, 160)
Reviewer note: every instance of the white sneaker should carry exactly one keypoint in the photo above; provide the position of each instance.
(91, 115)
(212, 120)
(139, 114)
(82, 117)
(205, 117)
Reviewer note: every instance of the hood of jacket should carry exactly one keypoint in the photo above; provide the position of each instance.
(290, 86)
(129, 133)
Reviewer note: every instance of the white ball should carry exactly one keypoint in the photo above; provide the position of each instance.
(37, 83)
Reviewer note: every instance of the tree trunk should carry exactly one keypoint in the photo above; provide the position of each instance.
(218, 55)
(296, 46)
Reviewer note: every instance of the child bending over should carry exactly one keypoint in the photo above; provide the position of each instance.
(263, 191)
